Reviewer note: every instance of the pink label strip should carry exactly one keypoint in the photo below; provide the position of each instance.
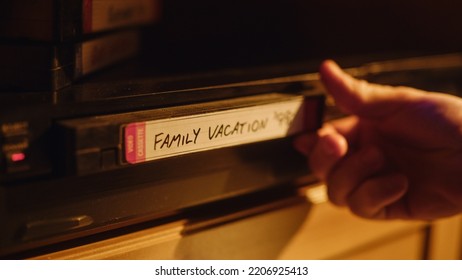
(87, 13)
(135, 142)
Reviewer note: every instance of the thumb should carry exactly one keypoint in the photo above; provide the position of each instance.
(359, 97)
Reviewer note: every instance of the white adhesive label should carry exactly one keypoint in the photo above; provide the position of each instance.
(150, 140)
(107, 50)
(100, 15)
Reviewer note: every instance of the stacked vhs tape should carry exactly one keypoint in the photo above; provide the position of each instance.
(48, 44)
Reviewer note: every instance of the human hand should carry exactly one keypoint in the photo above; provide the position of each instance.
(397, 156)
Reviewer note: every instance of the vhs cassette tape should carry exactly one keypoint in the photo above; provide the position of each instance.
(37, 66)
(105, 142)
(71, 20)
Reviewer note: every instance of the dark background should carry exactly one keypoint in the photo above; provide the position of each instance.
(211, 34)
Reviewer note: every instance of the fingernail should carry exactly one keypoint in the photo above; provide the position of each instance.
(327, 147)
(332, 146)
(372, 158)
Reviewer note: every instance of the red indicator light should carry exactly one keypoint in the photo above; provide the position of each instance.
(18, 157)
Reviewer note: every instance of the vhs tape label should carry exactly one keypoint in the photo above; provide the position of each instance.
(156, 139)
(98, 53)
(100, 15)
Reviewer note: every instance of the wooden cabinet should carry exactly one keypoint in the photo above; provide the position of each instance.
(305, 227)
(330, 232)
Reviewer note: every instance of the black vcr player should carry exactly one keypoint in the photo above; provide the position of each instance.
(128, 146)
(123, 147)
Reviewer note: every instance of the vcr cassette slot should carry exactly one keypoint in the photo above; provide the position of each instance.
(101, 143)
